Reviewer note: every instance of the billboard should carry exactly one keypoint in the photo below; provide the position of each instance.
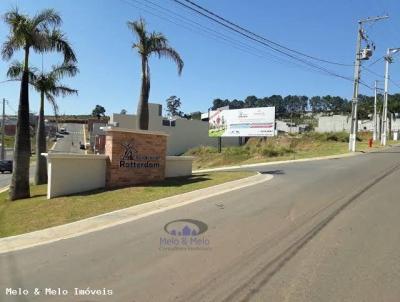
(258, 121)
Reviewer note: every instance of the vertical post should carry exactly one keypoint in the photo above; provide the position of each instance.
(219, 144)
(385, 100)
(2, 132)
(353, 129)
(374, 134)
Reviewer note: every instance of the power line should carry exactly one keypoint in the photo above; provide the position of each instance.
(219, 35)
(376, 61)
(394, 83)
(259, 36)
(373, 72)
(308, 63)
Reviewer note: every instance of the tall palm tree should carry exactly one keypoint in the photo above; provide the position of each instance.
(49, 87)
(39, 33)
(146, 45)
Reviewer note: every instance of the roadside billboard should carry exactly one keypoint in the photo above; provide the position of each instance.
(249, 122)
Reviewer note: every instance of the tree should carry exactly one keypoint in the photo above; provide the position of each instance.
(148, 44)
(99, 111)
(39, 33)
(218, 103)
(195, 115)
(250, 102)
(123, 111)
(49, 87)
(173, 106)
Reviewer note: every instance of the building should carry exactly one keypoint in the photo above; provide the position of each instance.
(183, 133)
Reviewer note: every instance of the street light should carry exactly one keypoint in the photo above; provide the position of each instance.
(389, 59)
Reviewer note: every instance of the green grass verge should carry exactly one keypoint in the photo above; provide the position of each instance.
(285, 147)
(37, 212)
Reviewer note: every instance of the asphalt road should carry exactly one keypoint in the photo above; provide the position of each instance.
(68, 144)
(318, 231)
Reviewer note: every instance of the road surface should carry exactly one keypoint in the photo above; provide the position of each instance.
(63, 145)
(70, 142)
(318, 231)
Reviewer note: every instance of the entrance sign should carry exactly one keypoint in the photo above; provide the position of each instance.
(135, 156)
(248, 122)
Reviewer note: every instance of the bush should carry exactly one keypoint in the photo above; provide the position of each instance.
(201, 150)
(271, 151)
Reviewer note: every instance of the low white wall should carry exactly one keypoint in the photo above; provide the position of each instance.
(178, 166)
(73, 173)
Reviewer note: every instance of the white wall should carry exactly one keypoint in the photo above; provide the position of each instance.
(73, 173)
(334, 123)
(178, 166)
(185, 135)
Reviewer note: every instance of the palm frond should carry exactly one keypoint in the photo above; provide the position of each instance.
(13, 18)
(59, 43)
(65, 69)
(16, 70)
(170, 53)
(47, 17)
(63, 91)
(9, 47)
(139, 29)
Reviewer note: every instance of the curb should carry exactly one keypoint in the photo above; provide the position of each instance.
(296, 160)
(107, 220)
(278, 162)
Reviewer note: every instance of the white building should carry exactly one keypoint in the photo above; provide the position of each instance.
(183, 133)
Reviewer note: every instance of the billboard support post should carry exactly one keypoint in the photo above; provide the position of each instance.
(219, 144)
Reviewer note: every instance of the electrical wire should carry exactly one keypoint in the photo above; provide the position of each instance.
(308, 63)
(224, 37)
(376, 61)
(259, 36)
(394, 83)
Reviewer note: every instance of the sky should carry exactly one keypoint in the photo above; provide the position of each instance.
(214, 67)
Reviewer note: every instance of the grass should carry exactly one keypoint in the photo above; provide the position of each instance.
(37, 212)
(285, 147)
(9, 141)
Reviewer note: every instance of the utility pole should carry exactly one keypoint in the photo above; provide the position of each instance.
(388, 60)
(357, 69)
(375, 122)
(384, 111)
(3, 130)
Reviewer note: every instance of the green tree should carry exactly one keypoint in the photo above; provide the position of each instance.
(195, 115)
(123, 111)
(99, 111)
(173, 106)
(49, 86)
(146, 45)
(39, 33)
(218, 103)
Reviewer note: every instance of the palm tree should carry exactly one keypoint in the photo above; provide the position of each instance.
(49, 87)
(39, 33)
(148, 44)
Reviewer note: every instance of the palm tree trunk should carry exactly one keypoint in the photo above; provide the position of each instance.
(19, 187)
(143, 105)
(41, 162)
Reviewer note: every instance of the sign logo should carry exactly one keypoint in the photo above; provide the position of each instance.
(185, 234)
(129, 151)
(130, 158)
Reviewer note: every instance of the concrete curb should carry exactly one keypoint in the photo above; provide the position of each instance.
(97, 223)
(277, 162)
